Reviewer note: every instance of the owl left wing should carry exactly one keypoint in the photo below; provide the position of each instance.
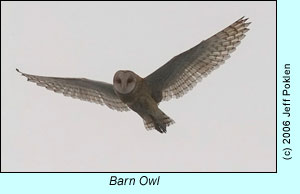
(183, 71)
(81, 88)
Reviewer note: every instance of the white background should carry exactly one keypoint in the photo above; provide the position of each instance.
(226, 123)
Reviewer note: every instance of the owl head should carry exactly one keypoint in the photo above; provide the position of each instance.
(124, 81)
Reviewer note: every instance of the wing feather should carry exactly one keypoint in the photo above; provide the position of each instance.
(81, 88)
(185, 70)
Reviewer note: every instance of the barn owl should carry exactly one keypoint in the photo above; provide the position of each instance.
(142, 95)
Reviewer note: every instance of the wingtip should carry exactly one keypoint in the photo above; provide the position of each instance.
(243, 19)
(18, 70)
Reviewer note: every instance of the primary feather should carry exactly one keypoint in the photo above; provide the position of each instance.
(81, 88)
(183, 71)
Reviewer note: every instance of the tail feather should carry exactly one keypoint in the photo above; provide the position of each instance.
(160, 124)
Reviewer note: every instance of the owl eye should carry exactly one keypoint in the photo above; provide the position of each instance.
(129, 80)
(118, 80)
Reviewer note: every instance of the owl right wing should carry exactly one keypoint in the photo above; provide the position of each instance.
(81, 88)
(185, 70)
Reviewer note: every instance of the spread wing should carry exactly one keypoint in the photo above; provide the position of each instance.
(81, 88)
(182, 72)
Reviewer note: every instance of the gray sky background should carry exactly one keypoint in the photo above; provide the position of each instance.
(226, 123)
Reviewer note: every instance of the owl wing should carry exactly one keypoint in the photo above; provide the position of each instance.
(182, 72)
(81, 88)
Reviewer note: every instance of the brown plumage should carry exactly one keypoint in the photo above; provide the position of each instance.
(139, 99)
(142, 95)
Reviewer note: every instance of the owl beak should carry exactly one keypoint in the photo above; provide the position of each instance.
(123, 85)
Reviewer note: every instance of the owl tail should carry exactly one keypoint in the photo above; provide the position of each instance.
(160, 121)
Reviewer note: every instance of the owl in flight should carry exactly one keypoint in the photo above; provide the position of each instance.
(142, 95)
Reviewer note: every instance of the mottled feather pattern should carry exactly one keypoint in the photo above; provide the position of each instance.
(217, 50)
(184, 71)
(80, 88)
(150, 125)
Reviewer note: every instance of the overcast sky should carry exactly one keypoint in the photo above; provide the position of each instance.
(226, 123)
